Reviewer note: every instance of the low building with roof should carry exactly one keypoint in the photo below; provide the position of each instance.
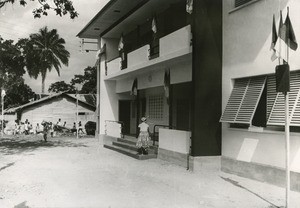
(53, 107)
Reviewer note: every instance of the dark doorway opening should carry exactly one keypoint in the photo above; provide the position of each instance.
(124, 115)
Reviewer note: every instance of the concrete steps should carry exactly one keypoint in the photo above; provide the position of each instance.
(127, 147)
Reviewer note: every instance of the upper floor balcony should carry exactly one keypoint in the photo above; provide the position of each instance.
(171, 47)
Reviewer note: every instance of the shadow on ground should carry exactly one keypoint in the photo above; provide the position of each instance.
(9, 146)
(235, 183)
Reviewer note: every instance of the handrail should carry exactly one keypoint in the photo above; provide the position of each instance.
(119, 122)
(159, 125)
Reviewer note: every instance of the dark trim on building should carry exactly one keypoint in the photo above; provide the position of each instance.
(106, 7)
(124, 17)
(207, 78)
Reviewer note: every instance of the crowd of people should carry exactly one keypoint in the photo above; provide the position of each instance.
(27, 128)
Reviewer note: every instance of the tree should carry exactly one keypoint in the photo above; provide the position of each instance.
(61, 86)
(88, 81)
(43, 51)
(17, 92)
(11, 59)
(60, 7)
(12, 68)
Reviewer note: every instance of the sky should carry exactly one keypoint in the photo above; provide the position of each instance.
(17, 22)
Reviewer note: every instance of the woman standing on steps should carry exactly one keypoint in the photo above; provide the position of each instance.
(143, 139)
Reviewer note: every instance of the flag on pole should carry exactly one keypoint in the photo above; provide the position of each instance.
(3, 93)
(167, 85)
(134, 88)
(189, 6)
(274, 40)
(280, 27)
(121, 44)
(153, 27)
(288, 33)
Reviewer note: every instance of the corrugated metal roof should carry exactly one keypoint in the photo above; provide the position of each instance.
(81, 99)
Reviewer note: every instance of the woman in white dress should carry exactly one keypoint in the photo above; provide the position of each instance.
(143, 139)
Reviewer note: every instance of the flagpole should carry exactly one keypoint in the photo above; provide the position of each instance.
(287, 129)
(2, 115)
(76, 113)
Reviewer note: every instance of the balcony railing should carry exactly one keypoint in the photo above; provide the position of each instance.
(173, 44)
(113, 66)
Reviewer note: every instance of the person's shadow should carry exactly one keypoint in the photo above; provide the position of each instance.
(22, 205)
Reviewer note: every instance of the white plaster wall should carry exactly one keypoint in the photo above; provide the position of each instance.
(55, 109)
(270, 148)
(246, 52)
(138, 56)
(182, 39)
(182, 72)
(109, 100)
(174, 140)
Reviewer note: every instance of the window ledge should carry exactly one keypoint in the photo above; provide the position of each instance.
(262, 130)
(242, 6)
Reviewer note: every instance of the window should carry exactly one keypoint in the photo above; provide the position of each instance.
(244, 100)
(241, 2)
(156, 107)
(254, 101)
(81, 113)
(277, 106)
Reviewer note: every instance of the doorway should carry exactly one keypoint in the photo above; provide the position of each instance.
(124, 115)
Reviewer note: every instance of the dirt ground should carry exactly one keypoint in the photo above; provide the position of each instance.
(69, 172)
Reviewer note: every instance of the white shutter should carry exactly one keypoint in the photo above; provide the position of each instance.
(243, 100)
(277, 114)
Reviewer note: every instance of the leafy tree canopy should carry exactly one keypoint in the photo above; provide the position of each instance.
(11, 59)
(42, 52)
(61, 86)
(17, 92)
(88, 81)
(60, 7)
(12, 68)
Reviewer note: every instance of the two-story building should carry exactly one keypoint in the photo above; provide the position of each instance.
(253, 137)
(162, 60)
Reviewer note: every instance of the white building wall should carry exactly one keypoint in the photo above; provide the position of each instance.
(246, 52)
(57, 108)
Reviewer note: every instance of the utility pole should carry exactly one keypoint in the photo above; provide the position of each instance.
(76, 113)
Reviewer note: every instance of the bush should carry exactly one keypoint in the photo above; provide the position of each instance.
(90, 127)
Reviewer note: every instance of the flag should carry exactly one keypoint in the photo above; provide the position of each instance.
(154, 28)
(167, 85)
(3, 93)
(288, 33)
(280, 27)
(121, 44)
(274, 34)
(274, 40)
(189, 6)
(134, 88)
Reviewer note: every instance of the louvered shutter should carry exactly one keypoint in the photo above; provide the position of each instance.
(277, 114)
(241, 2)
(243, 100)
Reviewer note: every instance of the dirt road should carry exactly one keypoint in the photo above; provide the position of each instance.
(66, 172)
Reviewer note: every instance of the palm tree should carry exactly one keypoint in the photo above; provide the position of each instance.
(48, 52)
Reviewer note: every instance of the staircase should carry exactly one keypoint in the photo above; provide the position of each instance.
(127, 147)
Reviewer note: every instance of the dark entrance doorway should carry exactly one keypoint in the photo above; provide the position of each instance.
(124, 115)
(183, 114)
